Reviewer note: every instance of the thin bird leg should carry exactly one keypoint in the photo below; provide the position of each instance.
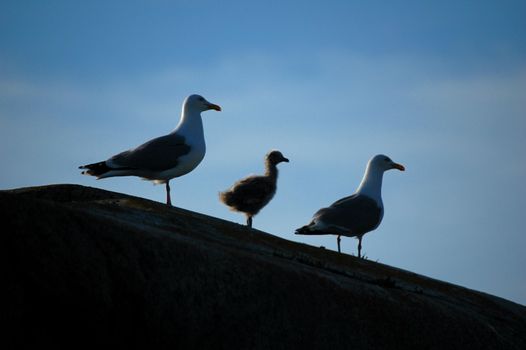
(338, 240)
(249, 221)
(168, 200)
(360, 246)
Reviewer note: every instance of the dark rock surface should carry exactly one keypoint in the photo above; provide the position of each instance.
(83, 266)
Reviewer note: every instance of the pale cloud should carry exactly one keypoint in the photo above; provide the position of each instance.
(349, 102)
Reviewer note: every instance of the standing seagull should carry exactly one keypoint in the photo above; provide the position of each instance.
(359, 213)
(251, 194)
(165, 157)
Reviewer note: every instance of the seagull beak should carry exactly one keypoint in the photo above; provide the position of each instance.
(398, 166)
(214, 107)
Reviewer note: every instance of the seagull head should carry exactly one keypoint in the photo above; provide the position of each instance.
(275, 157)
(383, 163)
(199, 103)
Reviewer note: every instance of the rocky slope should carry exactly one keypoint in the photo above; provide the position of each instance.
(82, 266)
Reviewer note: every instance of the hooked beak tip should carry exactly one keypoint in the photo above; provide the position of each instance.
(214, 107)
(399, 167)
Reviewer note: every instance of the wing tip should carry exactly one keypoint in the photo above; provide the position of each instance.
(304, 230)
(95, 169)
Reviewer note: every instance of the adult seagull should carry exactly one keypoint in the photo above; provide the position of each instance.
(164, 157)
(359, 213)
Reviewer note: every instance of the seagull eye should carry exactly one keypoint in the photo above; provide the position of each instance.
(201, 99)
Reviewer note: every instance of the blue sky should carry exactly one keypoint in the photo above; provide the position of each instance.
(438, 86)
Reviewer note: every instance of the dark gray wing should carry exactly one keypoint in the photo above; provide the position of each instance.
(344, 199)
(158, 154)
(357, 213)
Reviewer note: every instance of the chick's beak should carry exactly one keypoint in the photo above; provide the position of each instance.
(285, 159)
(398, 166)
(214, 107)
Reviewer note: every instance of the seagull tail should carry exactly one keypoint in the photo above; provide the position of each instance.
(316, 227)
(307, 230)
(95, 169)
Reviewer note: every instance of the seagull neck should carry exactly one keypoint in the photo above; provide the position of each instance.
(190, 123)
(271, 170)
(371, 184)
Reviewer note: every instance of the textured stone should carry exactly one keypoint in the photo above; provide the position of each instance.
(83, 266)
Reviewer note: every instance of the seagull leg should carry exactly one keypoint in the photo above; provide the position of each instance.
(360, 246)
(168, 200)
(338, 240)
(249, 221)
